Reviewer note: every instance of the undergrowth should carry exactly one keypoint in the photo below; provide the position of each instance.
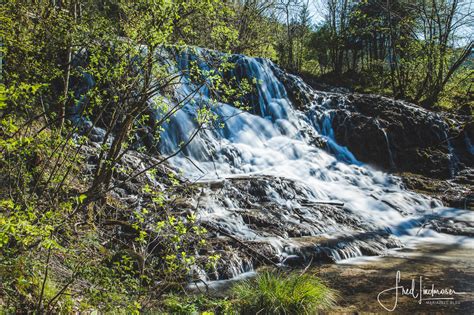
(279, 293)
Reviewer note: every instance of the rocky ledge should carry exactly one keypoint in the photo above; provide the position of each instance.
(399, 136)
(457, 192)
(261, 220)
(390, 134)
(268, 220)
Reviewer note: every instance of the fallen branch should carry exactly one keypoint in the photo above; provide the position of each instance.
(322, 202)
(307, 267)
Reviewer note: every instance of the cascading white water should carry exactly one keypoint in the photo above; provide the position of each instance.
(270, 142)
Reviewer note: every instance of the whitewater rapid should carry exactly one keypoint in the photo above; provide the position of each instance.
(275, 139)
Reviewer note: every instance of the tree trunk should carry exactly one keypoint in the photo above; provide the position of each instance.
(67, 77)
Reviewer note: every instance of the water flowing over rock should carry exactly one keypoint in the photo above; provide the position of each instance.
(277, 181)
(390, 134)
(286, 183)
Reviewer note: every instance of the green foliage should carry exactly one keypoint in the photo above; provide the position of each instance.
(277, 293)
(458, 93)
(413, 51)
(66, 243)
(196, 304)
(61, 239)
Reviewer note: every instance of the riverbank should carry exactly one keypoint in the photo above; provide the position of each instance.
(360, 280)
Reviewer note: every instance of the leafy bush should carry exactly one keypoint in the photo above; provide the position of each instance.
(196, 304)
(271, 293)
(457, 95)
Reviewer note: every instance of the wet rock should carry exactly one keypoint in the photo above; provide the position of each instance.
(294, 261)
(457, 192)
(391, 134)
(452, 226)
(270, 219)
(396, 135)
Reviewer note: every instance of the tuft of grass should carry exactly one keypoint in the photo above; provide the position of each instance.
(278, 293)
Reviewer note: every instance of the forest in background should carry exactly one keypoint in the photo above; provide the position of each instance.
(419, 51)
(60, 247)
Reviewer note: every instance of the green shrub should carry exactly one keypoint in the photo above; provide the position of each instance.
(277, 293)
(196, 304)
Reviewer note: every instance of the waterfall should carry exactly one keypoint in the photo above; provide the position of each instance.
(389, 150)
(453, 160)
(269, 141)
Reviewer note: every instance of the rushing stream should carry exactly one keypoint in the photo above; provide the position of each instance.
(275, 140)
